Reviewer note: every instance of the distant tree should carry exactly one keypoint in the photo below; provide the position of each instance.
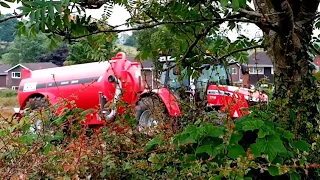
(130, 41)
(57, 57)
(3, 48)
(99, 48)
(7, 28)
(24, 49)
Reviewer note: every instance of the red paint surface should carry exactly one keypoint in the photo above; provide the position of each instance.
(86, 96)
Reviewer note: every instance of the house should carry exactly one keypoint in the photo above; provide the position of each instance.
(260, 66)
(14, 73)
(3, 75)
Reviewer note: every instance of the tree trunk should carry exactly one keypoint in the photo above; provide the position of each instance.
(296, 94)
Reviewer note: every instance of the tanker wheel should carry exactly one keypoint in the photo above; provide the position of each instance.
(35, 104)
(151, 113)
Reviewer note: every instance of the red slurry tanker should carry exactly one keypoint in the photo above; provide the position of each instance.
(92, 85)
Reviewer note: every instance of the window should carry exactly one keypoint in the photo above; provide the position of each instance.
(234, 71)
(15, 87)
(16, 75)
(255, 70)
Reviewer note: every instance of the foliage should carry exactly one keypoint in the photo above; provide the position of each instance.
(57, 57)
(91, 49)
(7, 29)
(3, 49)
(24, 49)
(130, 41)
(253, 146)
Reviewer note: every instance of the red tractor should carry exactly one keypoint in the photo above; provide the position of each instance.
(212, 86)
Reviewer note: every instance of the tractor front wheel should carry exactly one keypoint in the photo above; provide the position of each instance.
(151, 114)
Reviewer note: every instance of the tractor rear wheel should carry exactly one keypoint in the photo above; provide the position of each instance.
(151, 113)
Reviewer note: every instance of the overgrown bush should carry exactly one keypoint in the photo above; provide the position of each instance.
(252, 147)
(8, 93)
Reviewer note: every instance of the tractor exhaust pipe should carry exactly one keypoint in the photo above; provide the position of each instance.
(113, 79)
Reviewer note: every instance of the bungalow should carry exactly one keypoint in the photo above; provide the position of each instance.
(14, 73)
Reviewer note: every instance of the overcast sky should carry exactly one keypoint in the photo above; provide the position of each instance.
(119, 16)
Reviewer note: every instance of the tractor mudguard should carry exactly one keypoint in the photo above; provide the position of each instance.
(168, 99)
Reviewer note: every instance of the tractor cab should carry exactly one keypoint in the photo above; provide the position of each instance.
(196, 82)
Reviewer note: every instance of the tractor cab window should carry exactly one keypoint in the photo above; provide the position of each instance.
(172, 79)
(211, 74)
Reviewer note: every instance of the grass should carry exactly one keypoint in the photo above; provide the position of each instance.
(8, 100)
(8, 93)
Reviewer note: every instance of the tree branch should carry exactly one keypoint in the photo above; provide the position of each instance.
(204, 33)
(217, 21)
(263, 20)
(286, 20)
(304, 18)
(239, 50)
(10, 17)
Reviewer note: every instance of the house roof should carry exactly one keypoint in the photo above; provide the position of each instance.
(261, 58)
(34, 66)
(3, 68)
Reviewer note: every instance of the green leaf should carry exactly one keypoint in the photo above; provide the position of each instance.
(215, 177)
(185, 138)
(58, 8)
(2, 133)
(301, 145)
(28, 139)
(270, 147)
(235, 5)
(213, 131)
(3, 4)
(47, 149)
(235, 137)
(66, 20)
(224, 3)
(252, 124)
(295, 176)
(274, 170)
(243, 3)
(151, 145)
(66, 2)
(58, 22)
(288, 135)
(209, 149)
(56, 137)
(51, 12)
(236, 151)
(32, 16)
